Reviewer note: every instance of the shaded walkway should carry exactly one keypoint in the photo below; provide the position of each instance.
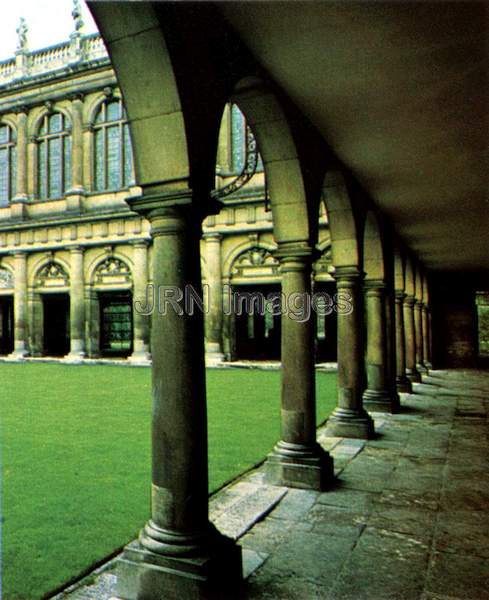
(407, 519)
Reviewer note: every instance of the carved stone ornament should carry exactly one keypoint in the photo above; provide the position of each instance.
(6, 279)
(52, 275)
(111, 271)
(253, 260)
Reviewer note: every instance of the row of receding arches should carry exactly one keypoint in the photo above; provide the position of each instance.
(175, 105)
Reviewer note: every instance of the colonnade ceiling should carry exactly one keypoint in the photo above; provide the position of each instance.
(400, 93)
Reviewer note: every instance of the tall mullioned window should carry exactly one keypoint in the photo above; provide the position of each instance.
(7, 164)
(238, 143)
(54, 156)
(114, 168)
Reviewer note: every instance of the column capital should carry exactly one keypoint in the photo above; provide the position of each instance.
(140, 243)
(409, 300)
(399, 295)
(75, 249)
(294, 257)
(348, 273)
(375, 286)
(153, 201)
(418, 304)
(212, 236)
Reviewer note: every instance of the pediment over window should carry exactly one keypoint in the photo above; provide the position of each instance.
(255, 262)
(52, 275)
(112, 271)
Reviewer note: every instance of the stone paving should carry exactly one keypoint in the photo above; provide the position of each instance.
(407, 518)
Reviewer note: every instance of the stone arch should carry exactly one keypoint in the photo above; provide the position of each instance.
(111, 271)
(342, 223)
(133, 38)
(9, 120)
(92, 106)
(51, 275)
(399, 269)
(240, 250)
(36, 120)
(409, 276)
(373, 251)
(281, 161)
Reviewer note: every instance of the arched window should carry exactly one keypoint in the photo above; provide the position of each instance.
(114, 167)
(239, 141)
(54, 156)
(8, 163)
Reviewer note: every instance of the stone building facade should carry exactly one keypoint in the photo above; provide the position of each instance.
(74, 258)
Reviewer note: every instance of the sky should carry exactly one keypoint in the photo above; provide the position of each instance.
(48, 21)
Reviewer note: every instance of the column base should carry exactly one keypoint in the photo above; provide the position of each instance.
(297, 466)
(413, 375)
(422, 369)
(140, 356)
(74, 357)
(215, 573)
(19, 353)
(350, 424)
(403, 385)
(213, 358)
(380, 401)
(428, 365)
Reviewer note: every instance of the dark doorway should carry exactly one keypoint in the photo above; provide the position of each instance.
(6, 324)
(56, 311)
(116, 324)
(326, 324)
(257, 329)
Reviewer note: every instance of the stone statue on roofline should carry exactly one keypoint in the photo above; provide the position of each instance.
(22, 30)
(77, 16)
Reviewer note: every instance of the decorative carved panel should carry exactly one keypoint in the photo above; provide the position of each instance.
(6, 279)
(52, 275)
(112, 271)
(255, 262)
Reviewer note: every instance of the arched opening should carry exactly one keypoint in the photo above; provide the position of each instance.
(6, 311)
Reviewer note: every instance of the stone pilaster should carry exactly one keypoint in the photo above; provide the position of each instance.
(141, 319)
(378, 396)
(214, 316)
(77, 305)
(297, 459)
(179, 553)
(73, 196)
(410, 339)
(21, 177)
(418, 327)
(20, 306)
(402, 382)
(426, 337)
(349, 419)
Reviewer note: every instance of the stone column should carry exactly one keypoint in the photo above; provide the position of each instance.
(20, 306)
(73, 195)
(418, 328)
(21, 178)
(377, 396)
(402, 382)
(228, 325)
(390, 324)
(179, 553)
(349, 419)
(297, 459)
(140, 317)
(426, 337)
(77, 305)
(213, 317)
(409, 336)
(36, 338)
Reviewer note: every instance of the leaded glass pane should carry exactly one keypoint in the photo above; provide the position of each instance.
(54, 149)
(113, 157)
(43, 180)
(4, 176)
(13, 171)
(113, 111)
(4, 134)
(67, 162)
(128, 158)
(55, 123)
(99, 160)
(238, 138)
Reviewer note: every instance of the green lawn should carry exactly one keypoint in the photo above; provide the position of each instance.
(76, 458)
